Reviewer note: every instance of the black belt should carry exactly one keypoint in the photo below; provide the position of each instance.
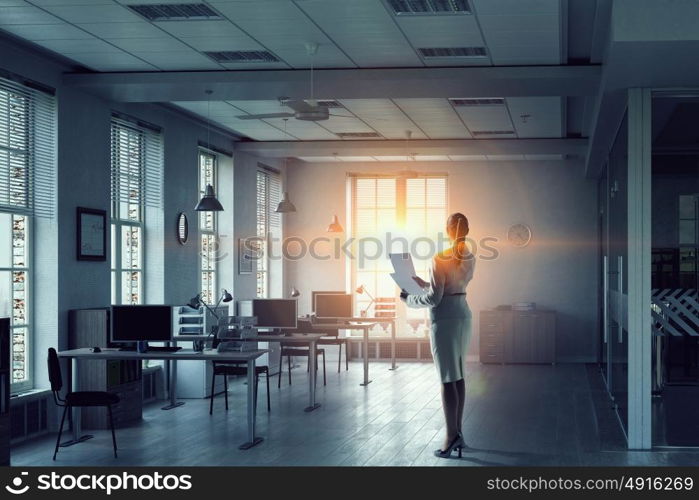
(453, 294)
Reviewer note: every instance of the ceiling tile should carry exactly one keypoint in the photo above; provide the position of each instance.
(217, 28)
(499, 7)
(164, 44)
(43, 3)
(94, 13)
(384, 116)
(111, 61)
(481, 118)
(304, 130)
(137, 29)
(284, 29)
(436, 117)
(222, 43)
(544, 22)
(536, 116)
(441, 31)
(91, 45)
(26, 15)
(364, 29)
(337, 124)
(36, 32)
(178, 60)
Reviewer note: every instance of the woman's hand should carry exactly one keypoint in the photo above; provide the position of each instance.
(420, 282)
(404, 295)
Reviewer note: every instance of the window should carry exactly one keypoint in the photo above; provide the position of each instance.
(136, 177)
(208, 229)
(27, 180)
(411, 208)
(269, 229)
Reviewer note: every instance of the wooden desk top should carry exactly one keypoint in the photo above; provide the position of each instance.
(182, 354)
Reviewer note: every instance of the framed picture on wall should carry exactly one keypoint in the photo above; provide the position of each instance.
(249, 250)
(91, 234)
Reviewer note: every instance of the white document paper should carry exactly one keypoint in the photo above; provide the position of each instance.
(404, 272)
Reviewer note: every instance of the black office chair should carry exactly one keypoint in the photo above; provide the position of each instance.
(338, 341)
(289, 351)
(241, 368)
(77, 399)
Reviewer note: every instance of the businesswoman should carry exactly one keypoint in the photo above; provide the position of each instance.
(451, 271)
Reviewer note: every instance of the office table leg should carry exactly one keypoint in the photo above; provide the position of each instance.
(365, 342)
(252, 439)
(393, 346)
(312, 371)
(76, 414)
(173, 387)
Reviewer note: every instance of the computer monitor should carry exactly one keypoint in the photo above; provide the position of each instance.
(333, 305)
(271, 313)
(141, 323)
(315, 293)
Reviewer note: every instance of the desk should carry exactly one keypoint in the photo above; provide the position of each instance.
(297, 338)
(363, 324)
(185, 354)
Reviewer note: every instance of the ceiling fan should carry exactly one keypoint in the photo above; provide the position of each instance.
(307, 110)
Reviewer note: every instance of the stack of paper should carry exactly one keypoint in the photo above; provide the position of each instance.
(403, 274)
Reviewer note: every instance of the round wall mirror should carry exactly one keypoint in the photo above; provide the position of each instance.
(182, 228)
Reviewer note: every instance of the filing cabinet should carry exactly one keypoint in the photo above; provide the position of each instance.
(508, 336)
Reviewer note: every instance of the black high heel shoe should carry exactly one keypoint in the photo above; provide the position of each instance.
(456, 444)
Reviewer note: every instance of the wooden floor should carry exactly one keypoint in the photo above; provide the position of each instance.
(515, 415)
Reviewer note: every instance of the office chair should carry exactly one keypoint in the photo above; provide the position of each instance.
(289, 351)
(240, 368)
(77, 399)
(338, 341)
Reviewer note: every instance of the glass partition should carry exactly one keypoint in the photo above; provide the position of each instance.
(675, 269)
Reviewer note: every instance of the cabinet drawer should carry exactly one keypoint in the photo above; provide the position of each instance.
(492, 356)
(492, 322)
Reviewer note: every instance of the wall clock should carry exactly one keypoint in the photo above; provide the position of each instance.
(519, 235)
(182, 228)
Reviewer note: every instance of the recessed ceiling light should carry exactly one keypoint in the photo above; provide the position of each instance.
(469, 102)
(242, 56)
(451, 52)
(175, 12)
(429, 7)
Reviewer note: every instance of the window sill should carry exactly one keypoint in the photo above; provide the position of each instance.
(30, 395)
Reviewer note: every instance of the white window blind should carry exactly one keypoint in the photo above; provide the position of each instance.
(269, 222)
(137, 159)
(27, 150)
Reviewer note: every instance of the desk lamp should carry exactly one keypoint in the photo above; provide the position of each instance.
(196, 302)
(361, 289)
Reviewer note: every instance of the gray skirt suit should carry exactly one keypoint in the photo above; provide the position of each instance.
(449, 312)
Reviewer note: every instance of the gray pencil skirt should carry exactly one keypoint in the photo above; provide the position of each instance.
(449, 338)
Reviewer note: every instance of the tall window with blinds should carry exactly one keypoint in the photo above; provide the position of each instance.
(269, 231)
(27, 190)
(208, 229)
(136, 170)
(412, 211)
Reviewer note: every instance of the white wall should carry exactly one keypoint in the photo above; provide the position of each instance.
(558, 270)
